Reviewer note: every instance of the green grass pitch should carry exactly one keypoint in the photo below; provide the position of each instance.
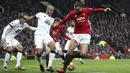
(90, 66)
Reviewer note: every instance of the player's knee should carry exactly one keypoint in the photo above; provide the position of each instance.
(59, 52)
(52, 45)
(10, 49)
(19, 48)
(39, 51)
(48, 50)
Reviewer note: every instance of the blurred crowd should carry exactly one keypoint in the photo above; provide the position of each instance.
(110, 27)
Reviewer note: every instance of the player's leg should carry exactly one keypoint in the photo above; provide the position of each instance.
(47, 55)
(66, 47)
(19, 47)
(50, 61)
(39, 45)
(9, 49)
(51, 45)
(81, 61)
(59, 50)
(69, 56)
(7, 57)
(77, 49)
(84, 44)
(83, 51)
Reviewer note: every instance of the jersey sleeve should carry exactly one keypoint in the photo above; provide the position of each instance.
(38, 15)
(30, 27)
(63, 34)
(14, 23)
(67, 37)
(26, 25)
(68, 17)
(88, 10)
(91, 10)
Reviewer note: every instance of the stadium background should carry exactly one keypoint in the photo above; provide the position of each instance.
(112, 27)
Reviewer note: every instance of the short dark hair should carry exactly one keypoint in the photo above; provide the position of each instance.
(78, 4)
(57, 19)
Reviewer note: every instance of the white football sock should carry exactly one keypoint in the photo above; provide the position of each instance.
(19, 58)
(40, 60)
(7, 58)
(65, 55)
(81, 59)
(51, 58)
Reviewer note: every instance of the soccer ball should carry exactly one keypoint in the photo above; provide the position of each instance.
(71, 66)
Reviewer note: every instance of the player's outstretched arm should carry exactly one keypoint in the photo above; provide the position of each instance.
(28, 18)
(102, 9)
(68, 17)
(95, 10)
(67, 37)
(32, 28)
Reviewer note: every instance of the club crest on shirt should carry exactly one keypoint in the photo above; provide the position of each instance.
(80, 19)
(47, 21)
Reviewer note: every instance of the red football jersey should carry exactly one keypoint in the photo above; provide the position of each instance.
(58, 31)
(82, 24)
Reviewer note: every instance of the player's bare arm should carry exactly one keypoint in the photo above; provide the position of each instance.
(28, 18)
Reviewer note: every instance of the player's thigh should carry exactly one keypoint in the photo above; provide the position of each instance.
(38, 39)
(50, 43)
(48, 50)
(74, 41)
(85, 40)
(72, 46)
(83, 49)
(9, 44)
(16, 44)
(77, 38)
(19, 47)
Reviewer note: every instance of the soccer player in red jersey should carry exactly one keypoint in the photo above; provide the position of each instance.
(82, 31)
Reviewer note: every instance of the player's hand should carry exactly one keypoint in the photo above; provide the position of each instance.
(107, 9)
